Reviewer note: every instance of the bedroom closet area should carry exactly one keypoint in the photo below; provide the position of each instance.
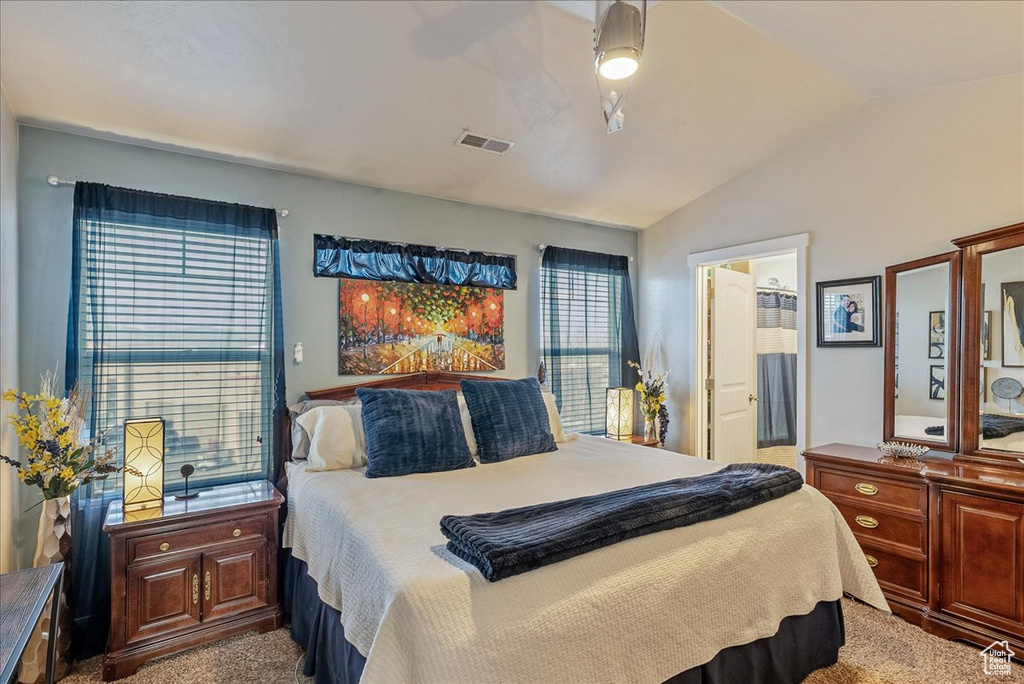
(751, 362)
(776, 359)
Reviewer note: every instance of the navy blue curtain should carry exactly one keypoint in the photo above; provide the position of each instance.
(175, 311)
(588, 332)
(340, 257)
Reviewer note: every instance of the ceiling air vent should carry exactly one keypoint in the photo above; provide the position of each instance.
(483, 142)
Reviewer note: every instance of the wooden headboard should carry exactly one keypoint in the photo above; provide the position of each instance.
(424, 380)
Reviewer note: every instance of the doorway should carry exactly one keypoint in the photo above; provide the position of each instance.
(749, 399)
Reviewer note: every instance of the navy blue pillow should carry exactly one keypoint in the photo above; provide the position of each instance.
(509, 418)
(410, 431)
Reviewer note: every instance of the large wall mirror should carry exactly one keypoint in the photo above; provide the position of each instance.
(921, 351)
(993, 350)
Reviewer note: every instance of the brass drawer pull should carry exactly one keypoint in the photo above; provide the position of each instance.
(236, 533)
(195, 589)
(872, 561)
(866, 488)
(207, 583)
(165, 546)
(866, 521)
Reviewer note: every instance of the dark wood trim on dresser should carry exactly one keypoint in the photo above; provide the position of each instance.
(974, 247)
(950, 442)
(191, 572)
(945, 536)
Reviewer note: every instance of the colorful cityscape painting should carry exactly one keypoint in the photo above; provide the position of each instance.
(386, 327)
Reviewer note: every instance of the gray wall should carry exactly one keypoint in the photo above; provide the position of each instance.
(918, 293)
(317, 206)
(893, 180)
(9, 484)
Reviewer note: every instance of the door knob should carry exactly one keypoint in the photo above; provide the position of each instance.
(752, 398)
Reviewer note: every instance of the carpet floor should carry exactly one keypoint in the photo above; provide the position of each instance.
(878, 650)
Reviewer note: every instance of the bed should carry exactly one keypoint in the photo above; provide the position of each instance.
(913, 427)
(374, 595)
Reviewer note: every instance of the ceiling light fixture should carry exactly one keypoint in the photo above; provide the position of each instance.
(618, 47)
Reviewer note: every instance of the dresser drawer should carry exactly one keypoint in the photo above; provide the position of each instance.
(163, 543)
(898, 574)
(870, 523)
(906, 497)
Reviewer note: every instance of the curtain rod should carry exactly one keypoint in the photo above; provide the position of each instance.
(57, 181)
(541, 247)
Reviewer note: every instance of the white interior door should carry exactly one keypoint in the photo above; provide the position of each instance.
(733, 366)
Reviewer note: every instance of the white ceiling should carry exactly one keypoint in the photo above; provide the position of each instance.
(883, 47)
(376, 92)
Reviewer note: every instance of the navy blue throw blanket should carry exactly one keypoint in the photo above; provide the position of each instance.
(518, 540)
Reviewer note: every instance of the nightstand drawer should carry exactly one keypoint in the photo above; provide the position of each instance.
(905, 497)
(874, 524)
(161, 544)
(898, 574)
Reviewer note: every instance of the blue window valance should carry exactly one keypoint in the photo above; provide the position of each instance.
(340, 257)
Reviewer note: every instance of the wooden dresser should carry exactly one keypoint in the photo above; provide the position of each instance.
(191, 572)
(944, 536)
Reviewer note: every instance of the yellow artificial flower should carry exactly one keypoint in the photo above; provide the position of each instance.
(67, 473)
(10, 395)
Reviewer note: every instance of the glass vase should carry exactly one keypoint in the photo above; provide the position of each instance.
(53, 545)
(650, 430)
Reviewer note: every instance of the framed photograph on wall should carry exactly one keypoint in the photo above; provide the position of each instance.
(986, 335)
(849, 312)
(937, 383)
(1012, 299)
(936, 334)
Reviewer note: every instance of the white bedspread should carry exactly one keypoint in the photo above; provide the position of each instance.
(639, 611)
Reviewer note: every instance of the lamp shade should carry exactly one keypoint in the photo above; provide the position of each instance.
(619, 414)
(144, 453)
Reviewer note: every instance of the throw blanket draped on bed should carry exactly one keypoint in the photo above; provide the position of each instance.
(518, 540)
(992, 426)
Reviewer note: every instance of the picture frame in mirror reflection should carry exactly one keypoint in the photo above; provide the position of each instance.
(1012, 319)
(937, 383)
(986, 336)
(936, 334)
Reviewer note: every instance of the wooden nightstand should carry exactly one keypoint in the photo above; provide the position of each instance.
(639, 439)
(191, 572)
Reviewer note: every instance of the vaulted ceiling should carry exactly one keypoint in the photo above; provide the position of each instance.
(376, 92)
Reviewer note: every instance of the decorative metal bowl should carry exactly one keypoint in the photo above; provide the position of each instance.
(902, 449)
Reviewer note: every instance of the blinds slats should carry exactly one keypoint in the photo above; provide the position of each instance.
(580, 341)
(176, 323)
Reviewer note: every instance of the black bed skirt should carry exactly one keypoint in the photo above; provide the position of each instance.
(803, 643)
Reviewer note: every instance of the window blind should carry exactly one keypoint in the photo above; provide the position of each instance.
(587, 332)
(176, 321)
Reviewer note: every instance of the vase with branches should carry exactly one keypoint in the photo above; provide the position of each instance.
(58, 460)
(652, 389)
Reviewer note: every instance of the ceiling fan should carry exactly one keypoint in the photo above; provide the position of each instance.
(619, 29)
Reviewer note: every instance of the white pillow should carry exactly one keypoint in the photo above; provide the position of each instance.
(555, 420)
(355, 412)
(332, 439)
